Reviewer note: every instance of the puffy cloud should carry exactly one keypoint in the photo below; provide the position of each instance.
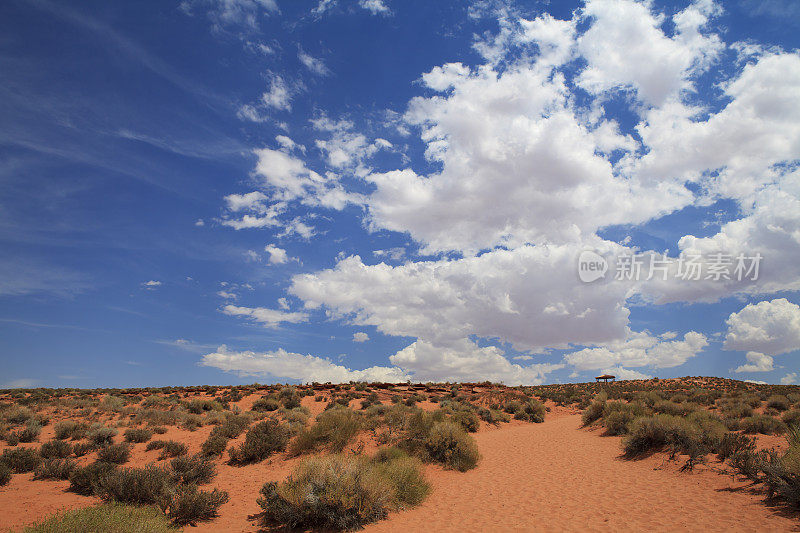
(529, 296)
(466, 361)
(313, 64)
(625, 47)
(789, 379)
(769, 327)
(757, 362)
(624, 373)
(376, 7)
(277, 256)
(637, 350)
(227, 295)
(151, 285)
(360, 336)
(270, 318)
(279, 95)
(287, 365)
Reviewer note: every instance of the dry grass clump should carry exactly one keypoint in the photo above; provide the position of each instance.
(778, 402)
(69, 429)
(84, 479)
(343, 492)
(763, 424)
(55, 448)
(261, 441)
(138, 435)
(54, 468)
(108, 518)
(189, 505)
(334, 429)
(101, 435)
(194, 470)
(20, 460)
(115, 453)
(169, 448)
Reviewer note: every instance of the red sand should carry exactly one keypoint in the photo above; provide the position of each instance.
(554, 476)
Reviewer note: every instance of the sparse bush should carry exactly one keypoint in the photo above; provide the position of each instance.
(21, 460)
(150, 485)
(84, 480)
(54, 468)
(19, 415)
(108, 518)
(115, 453)
(69, 429)
(55, 448)
(82, 448)
(214, 445)
(531, 411)
(341, 492)
(595, 409)
(194, 470)
(5, 474)
(31, 431)
(261, 440)
(265, 404)
(101, 435)
(765, 425)
(791, 418)
(334, 428)
(734, 443)
(778, 402)
(190, 505)
(448, 444)
(492, 416)
(138, 435)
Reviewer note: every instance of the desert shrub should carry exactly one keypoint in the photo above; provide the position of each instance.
(55, 448)
(69, 429)
(265, 404)
(84, 479)
(192, 422)
(672, 408)
(21, 460)
(289, 397)
(198, 406)
(334, 429)
(233, 426)
(214, 445)
(138, 435)
(150, 485)
(189, 505)
(194, 470)
(467, 419)
(655, 432)
(82, 448)
(492, 416)
(778, 402)
(5, 474)
(19, 415)
(30, 433)
(169, 448)
(261, 440)
(158, 430)
(765, 425)
(115, 453)
(108, 518)
(341, 492)
(736, 410)
(405, 474)
(12, 439)
(531, 411)
(791, 418)
(448, 444)
(101, 435)
(595, 409)
(54, 468)
(734, 443)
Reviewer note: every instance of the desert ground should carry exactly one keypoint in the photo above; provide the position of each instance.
(582, 457)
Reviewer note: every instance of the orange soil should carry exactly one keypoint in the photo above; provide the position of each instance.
(554, 476)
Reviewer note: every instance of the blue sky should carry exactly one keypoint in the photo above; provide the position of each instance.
(230, 191)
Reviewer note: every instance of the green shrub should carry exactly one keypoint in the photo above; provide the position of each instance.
(54, 468)
(791, 418)
(84, 480)
(736, 410)
(531, 411)
(101, 435)
(595, 409)
(778, 402)
(261, 441)
(189, 505)
(138, 435)
(19, 415)
(653, 433)
(69, 429)
(21, 460)
(115, 453)
(30, 433)
(108, 518)
(734, 443)
(5, 474)
(169, 448)
(82, 448)
(765, 425)
(194, 470)
(492, 416)
(265, 404)
(55, 448)
(450, 445)
(150, 485)
(341, 492)
(334, 428)
(214, 445)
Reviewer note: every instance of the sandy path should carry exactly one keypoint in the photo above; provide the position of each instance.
(558, 477)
